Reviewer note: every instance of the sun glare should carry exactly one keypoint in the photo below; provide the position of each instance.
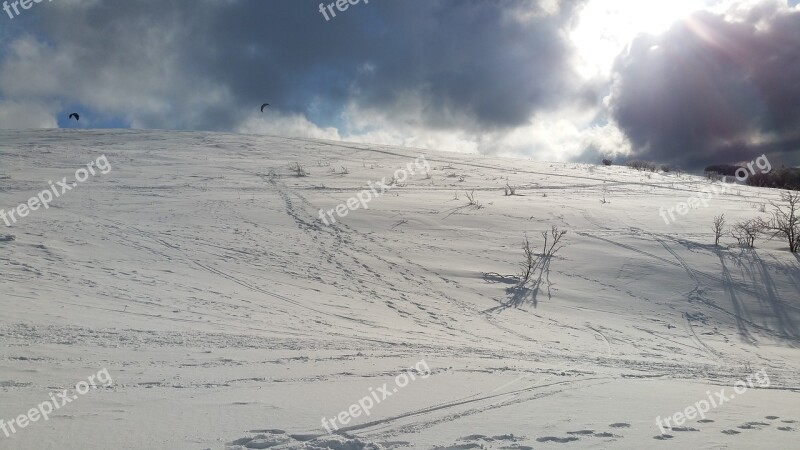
(606, 27)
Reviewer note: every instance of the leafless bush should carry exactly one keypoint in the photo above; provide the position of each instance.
(719, 228)
(530, 262)
(645, 166)
(555, 235)
(471, 199)
(344, 170)
(607, 162)
(785, 220)
(509, 190)
(746, 232)
(299, 170)
(532, 259)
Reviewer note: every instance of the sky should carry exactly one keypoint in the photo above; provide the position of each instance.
(683, 82)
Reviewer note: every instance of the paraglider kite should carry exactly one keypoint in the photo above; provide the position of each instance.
(76, 116)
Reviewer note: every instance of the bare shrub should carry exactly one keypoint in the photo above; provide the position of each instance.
(719, 228)
(785, 220)
(645, 166)
(533, 260)
(607, 162)
(529, 263)
(299, 170)
(471, 199)
(555, 235)
(509, 190)
(747, 231)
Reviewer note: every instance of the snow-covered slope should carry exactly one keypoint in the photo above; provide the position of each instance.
(197, 271)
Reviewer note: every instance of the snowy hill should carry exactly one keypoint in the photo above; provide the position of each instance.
(198, 272)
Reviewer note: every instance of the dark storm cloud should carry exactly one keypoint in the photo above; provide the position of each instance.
(714, 90)
(469, 64)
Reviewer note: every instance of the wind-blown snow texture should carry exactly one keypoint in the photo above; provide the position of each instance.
(198, 273)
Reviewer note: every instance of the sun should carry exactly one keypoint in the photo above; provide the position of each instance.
(606, 27)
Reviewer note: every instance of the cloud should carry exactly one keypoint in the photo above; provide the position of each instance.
(499, 77)
(20, 115)
(472, 70)
(283, 125)
(717, 87)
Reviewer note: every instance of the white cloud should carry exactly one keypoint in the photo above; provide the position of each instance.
(22, 115)
(293, 126)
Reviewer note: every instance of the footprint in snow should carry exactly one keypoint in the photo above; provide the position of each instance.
(620, 425)
(731, 432)
(262, 441)
(684, 429)
(753, 425)
(606, 434)
(557, 439)
(475, 438)
(581, 432)
(663, 437)
(459, 447)
(480, 437)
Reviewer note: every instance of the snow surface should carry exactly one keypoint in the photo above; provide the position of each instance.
(198, 273)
